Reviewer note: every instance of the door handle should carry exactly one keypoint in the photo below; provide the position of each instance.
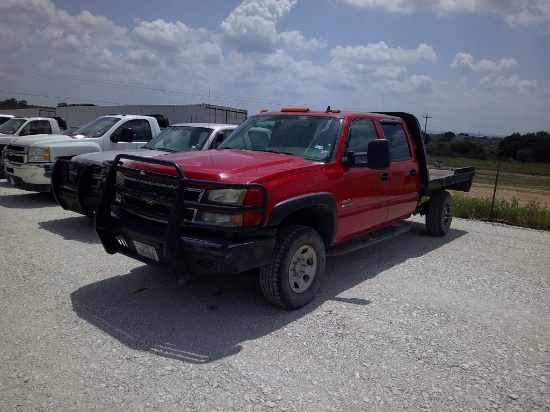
(412, 172)
(385, 177)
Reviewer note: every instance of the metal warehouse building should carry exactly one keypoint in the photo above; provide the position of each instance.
(188, 113)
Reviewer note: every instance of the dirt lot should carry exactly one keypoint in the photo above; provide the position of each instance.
(522, 187)
(416, 323)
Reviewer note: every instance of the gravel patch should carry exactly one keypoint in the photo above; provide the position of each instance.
(416, 323)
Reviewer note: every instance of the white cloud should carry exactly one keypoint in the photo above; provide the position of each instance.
(252, 26)
(27, 12)
(381, 53)
(141, 56)
(295, 40)
(379, 59)
(250, 63)
(413, 85)
(514, 12)
(512, 83)
(466, 62)
(159, 34)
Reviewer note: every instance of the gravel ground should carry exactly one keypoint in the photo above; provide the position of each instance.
(416, 323)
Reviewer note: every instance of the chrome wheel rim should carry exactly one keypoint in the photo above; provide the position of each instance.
(303, 267)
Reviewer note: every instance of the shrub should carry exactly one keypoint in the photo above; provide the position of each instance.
(531, 215)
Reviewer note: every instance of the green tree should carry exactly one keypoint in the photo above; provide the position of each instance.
(447, 136)
(525, 155)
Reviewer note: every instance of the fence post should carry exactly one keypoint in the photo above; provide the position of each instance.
(494, 191)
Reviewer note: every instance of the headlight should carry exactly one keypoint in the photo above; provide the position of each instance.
(230, 197)
(39, 154)
(220, 219)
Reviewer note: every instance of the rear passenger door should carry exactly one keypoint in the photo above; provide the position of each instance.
(404, 173)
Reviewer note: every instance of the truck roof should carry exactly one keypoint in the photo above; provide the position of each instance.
(209, 125)
(304, 111)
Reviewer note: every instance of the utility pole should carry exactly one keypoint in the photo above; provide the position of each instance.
(426, 123)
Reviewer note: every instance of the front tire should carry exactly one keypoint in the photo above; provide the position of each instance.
(439, 214)
(293, 276)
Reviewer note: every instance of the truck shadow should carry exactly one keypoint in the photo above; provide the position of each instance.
(76, 228)
(212, 317)
(26, 200)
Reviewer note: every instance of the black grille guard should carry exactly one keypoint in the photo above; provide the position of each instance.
(174, 219)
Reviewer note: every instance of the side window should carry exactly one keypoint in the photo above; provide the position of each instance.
(36, 127)
(45, 127)
(361, 132)
(399, 143)
(140, 128)
(219, 138)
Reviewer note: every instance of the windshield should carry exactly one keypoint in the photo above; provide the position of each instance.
(311, 137)
(180, 139)
(11, 126)
(97, 127)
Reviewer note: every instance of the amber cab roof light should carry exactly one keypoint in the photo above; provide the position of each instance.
(295, 109)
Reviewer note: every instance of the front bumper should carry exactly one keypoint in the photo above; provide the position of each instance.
(77, 186)
(34, 177)
(184, 254)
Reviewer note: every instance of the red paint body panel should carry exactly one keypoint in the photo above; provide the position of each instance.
(365, 200)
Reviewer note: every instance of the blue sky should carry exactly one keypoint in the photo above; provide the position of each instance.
(473, 66)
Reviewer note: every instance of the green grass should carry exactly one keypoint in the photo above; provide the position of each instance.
(513, 174)
(531, 215)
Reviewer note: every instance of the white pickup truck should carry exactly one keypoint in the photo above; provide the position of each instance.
(27, 126)
(77, 182)
(29, 160)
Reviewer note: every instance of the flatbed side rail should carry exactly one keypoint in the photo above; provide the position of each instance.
(460, 179)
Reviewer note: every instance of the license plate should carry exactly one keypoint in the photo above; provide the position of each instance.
(146, 250)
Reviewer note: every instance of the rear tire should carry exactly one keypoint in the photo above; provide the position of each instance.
(439, 214)
(293, 276)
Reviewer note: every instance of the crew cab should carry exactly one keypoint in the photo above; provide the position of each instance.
(285, 190)
(26, 126)
(29, 160)
(77, 181)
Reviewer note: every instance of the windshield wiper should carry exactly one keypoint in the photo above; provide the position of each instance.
(274, 151)
(163, 149)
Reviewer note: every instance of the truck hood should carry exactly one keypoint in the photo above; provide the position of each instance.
(36, 140)
(231, 165)
(97, 158)
(5, 138)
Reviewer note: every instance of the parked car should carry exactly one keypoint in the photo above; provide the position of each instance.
(30, 159)
(77, 181)
(26, 126)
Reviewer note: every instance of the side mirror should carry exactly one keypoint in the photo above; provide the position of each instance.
(126, 135)
(349, 159)
(379, 154)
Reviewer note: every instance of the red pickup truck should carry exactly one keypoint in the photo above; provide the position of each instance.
(285, 190)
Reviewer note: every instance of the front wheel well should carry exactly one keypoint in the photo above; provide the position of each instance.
(318, 217)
